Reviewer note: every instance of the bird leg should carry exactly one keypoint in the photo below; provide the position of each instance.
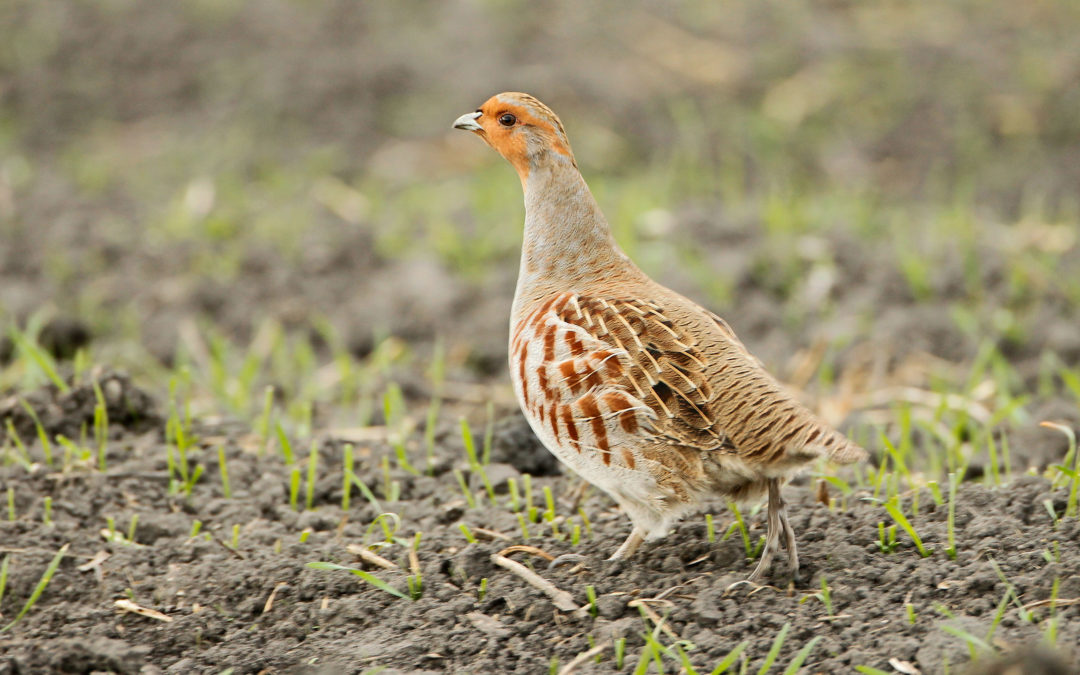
(629, 546)
(789, 535)
(778, 523)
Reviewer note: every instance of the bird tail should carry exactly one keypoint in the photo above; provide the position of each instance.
(842, 450)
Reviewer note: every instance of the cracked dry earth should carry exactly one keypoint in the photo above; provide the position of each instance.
(213, 599)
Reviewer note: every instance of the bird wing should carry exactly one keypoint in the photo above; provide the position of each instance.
(682, 378)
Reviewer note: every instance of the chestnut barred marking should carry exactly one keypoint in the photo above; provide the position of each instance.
(571, 426)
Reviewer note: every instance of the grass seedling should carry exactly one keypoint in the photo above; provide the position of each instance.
(893, 507)
(515, 498)
(43, 438)
(40, 588)
(304, 534)
(365, 576)
(886, 538)
(950, 525)
(731, 658)
(265, 420)
(312, 469)
(1048, 504)
(391, 488)
(189, 484)
(998, 616)
(235, 541)
(1054, 555)
(394, 414)
(4, 575)
(910, 613)
(71, 451)
(801, 656)
(474, 462)
(823, 595)
(24, 455)
(46, 516)
(284, 444)
(469, 536)
(346, 475)
(1063, 469)
(383, 520)
(935, 492)
(710, 531)
(482, 591)
(416, 581)
(524, 527)
(1025, 614)
(195, 528)
(223, 469)
(294, 487)
(549, 499)
(131, 527)
(995, 472)
(1050, 633)
(469, 499)
(11, 504)
(366, 492)
(416, 586)
(585, 520)
(575, 535)
(101, 426)
(751, 551)
(867, 670)
(39, 357)
(620, 652)
(590, 593)
(974, 643)
(774, 650)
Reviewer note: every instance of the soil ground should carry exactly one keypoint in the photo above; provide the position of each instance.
(216, 595)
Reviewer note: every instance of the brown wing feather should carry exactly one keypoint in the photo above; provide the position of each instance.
(706, 390)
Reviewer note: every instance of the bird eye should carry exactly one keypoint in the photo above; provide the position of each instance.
(507, 120)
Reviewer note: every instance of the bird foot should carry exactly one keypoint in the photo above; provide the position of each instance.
(568, 559)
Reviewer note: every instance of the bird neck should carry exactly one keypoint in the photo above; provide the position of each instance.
(568, 243)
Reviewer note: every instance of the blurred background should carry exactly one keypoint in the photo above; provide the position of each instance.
(874, 194)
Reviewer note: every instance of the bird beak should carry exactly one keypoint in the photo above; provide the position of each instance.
(468, 122)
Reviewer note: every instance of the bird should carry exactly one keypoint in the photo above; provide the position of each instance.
(639, 390)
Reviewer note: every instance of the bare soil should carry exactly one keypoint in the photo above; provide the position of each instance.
(216, 597)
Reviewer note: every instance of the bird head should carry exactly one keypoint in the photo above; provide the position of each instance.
(522, 129)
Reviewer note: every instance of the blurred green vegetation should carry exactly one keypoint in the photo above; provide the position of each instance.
(895, 173)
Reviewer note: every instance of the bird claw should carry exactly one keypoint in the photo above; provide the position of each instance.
(567, 559)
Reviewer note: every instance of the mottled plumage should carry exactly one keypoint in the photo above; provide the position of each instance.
(638, 389)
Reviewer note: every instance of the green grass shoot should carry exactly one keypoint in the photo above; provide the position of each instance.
(39, 589)
(801, 656)
(312, 474)
(346, 475)
(101, 426)
(731, 658)
(774, 650)
(469, 536)
(43, 438)
(950, 526)
(893, 507)
(365, 576)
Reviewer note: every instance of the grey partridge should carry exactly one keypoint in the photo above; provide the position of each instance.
(642, 392)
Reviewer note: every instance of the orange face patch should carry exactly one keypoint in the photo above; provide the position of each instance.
(512, 141)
